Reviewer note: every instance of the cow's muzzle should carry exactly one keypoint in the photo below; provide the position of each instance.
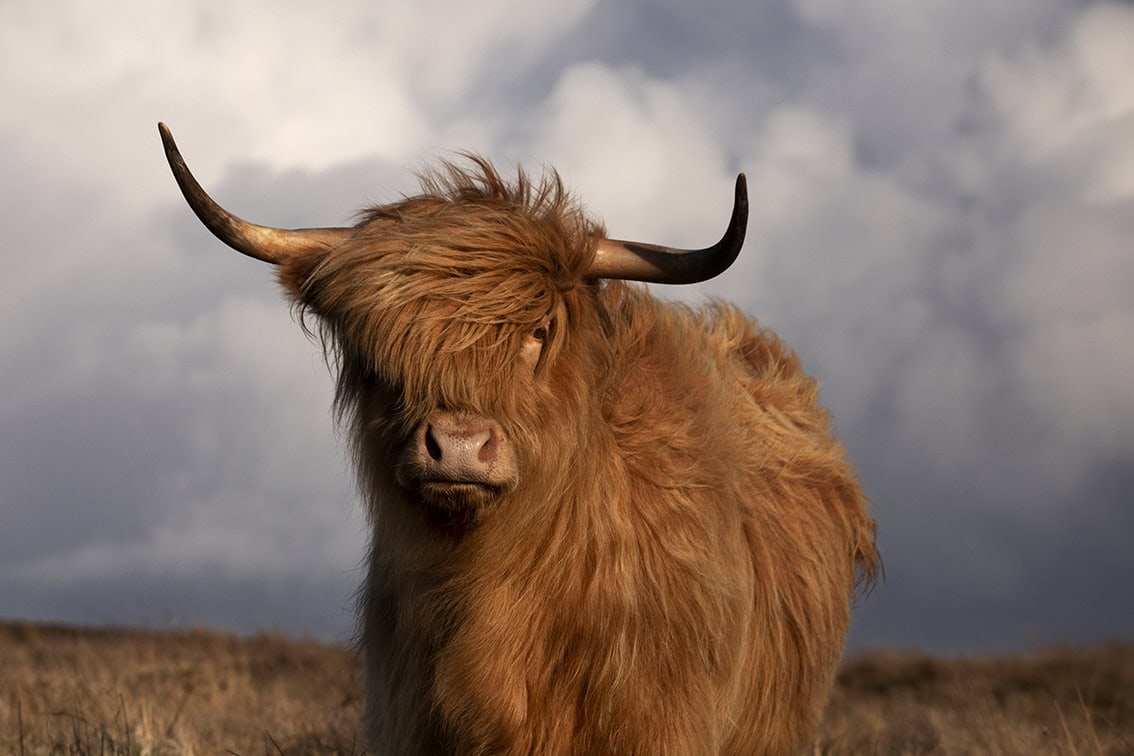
(457, 461)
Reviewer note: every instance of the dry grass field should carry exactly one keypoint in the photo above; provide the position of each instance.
(109, 692)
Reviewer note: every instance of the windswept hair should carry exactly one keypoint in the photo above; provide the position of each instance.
(459, 271)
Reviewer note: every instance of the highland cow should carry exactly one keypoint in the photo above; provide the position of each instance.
(600, 523)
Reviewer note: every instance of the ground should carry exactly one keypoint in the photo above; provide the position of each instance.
(113, 692)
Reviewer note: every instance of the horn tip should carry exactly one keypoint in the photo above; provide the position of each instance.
(167, 140)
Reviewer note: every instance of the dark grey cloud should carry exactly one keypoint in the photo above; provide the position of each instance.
(1061, 579)
(320, 606)
(156, 458)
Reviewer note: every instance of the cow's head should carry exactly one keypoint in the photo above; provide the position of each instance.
(463, 323)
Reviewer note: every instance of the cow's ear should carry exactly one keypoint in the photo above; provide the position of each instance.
(294, 275)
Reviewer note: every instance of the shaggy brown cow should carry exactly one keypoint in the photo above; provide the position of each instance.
(601, 523)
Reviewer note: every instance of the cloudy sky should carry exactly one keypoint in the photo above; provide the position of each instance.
(942, 225)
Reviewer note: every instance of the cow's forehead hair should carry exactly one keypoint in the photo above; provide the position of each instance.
(457, 273)
(496, 251)
(468, 219)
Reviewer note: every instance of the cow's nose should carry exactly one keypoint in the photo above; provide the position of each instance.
(461, 445)
(461, 449)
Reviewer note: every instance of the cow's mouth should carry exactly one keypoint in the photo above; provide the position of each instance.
(457, 494)
(454, 502)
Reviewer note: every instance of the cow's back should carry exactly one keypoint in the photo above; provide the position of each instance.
(808, 529)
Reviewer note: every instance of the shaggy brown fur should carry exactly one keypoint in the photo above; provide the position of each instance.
(672, 572)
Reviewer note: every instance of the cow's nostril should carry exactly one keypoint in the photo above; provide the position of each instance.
(431, 445)
(487, 451)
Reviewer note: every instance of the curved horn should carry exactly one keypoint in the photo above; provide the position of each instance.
(273, 245)
(635, 261)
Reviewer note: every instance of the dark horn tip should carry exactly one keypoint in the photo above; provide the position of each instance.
(166, 134)
(738, 224)
(741, 201)
(172, 154)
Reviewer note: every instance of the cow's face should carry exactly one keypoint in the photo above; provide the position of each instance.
(452, 360)
(456, 461)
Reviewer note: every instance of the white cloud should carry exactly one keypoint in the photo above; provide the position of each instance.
(638, 154)
(283, 83)
(1067, 114)
(835, 254)
(1070, 110)
(445, 45)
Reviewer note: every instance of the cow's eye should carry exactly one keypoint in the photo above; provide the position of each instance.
(539, 334)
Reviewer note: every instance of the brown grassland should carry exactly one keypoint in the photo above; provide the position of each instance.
(123, 691)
